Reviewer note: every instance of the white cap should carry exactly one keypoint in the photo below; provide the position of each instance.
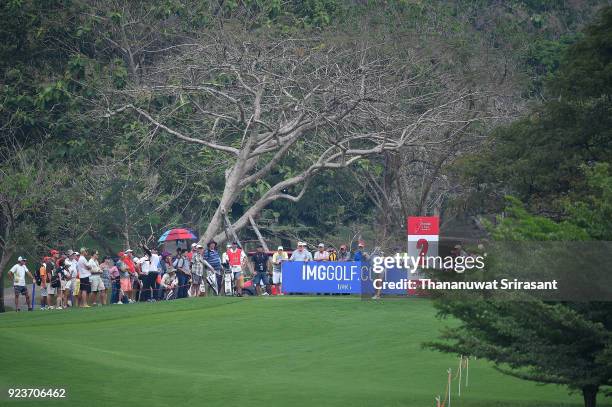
(199, 246)
(194, 245)
(129, 251)
(321, 245)
(301, 244)
(280, 248)
(228, 245)
(21, 259)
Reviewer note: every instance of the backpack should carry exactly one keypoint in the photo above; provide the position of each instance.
(56, 277)
(37, 276)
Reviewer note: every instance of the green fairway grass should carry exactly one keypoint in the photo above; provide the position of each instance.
(276, 351)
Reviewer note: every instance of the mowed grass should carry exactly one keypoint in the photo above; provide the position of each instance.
(280, 351)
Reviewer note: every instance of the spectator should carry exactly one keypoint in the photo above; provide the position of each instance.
(71, 291)
(98, 289)
(277, 276)
(125, 279)
(333, 255)
(84, 275)
(145, 278)
(301, 254)
(168, 283)
(64, 277)
(17, 273)
(197, 270)
(137, 280)
(107, 277)
(56, 258)
(181, 265)
(343, 254)
(128, 260)
(212, 257)
(224, 257)
(41, 280)
(321, 254)
(194, 247)
(164, 265)
(359, 255)
(236, 259)
(154, 272)
(260, 268)
(52, 279)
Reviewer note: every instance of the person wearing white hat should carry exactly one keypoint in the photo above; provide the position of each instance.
(321, 254)
(198, 264)
(17, 273)
(277, 276)
(194, 249)
(168, 284)
(301, 254)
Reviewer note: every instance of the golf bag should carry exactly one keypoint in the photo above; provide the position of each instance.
(228, 281)
(171, 294)
(211, 279)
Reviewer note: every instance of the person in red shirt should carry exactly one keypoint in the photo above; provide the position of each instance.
(190, 254)
(235, 258)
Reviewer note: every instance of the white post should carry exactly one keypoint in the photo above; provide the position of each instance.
(460, 363)
(467, 371)
(449, 386)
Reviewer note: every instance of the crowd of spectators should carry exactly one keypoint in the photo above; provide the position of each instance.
(84, 279)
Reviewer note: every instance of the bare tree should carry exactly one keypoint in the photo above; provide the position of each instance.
(25, 189)
(306, 103)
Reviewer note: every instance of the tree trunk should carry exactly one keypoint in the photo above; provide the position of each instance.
(4, 259)
(589, 393)
(2, 309)
(230, 194)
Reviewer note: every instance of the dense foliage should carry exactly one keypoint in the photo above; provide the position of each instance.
(114, 182)
(557, 160)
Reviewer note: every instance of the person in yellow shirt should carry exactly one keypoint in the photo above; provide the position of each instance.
(278, 257)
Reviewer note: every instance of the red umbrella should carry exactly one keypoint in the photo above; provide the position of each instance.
(177, 234)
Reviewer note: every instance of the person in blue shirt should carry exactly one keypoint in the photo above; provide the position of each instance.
(212, 257)
(359, 255)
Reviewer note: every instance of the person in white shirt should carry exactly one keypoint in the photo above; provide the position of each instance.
(154, 272)
(149, 280)
(301, 254)
(277, 277)
(145, 275)
(84, 274)
(321, 254)
(17, 273)
(70, 288)
(97, 286)
(168, 285)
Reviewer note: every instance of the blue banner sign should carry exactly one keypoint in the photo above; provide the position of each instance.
(346, 277)
(343, 277)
